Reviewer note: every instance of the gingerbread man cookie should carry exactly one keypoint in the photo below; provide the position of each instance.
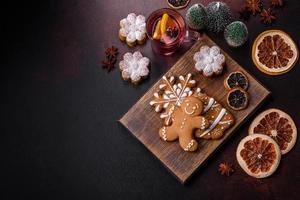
(219, 118)
(185, 120)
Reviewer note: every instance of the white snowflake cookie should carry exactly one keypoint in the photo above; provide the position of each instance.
(133, 29)
(209, 60)
(134, 67)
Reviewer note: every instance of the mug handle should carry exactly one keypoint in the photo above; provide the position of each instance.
(192, 35)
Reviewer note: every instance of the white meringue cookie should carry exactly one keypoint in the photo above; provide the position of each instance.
(134, 66)
(209, 60)
(132, 29)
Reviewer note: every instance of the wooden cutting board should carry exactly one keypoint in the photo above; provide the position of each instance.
(143, 122)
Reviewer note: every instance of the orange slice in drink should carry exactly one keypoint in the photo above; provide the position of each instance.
(157, 32)
(163, 24)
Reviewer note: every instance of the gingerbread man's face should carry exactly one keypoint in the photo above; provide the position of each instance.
(192, 106)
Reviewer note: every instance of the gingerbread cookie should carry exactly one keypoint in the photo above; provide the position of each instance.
(171, 94)
(209, 60)
(219, 118)
(133, 29)
(134, 67)
(185, 120)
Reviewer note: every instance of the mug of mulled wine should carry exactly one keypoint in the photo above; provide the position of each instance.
(166, 29)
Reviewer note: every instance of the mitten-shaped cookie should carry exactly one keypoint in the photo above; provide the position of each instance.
(219, 118)
(186, 119)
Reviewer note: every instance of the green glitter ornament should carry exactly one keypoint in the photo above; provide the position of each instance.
(196, 16)
(236, 34)
(218, 16)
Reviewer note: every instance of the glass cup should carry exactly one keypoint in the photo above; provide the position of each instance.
(157, 45)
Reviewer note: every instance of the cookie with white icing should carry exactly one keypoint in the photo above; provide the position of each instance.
(220, 119)
(209, 60)
(186, 119)
(134, 67)
(170, 95)
(133, 29)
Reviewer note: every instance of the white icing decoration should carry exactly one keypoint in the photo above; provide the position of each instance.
(208, 106)
(189, 145)
(163, 132)
(135, 66)
(215, 123)
(202, 124)
(193, 109)
(226, 122)
(209, 60)
(215, 105)
(168, 115)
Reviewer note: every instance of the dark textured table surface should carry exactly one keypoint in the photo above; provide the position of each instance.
(60, 138)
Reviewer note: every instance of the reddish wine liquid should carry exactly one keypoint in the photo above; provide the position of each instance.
(172, 32)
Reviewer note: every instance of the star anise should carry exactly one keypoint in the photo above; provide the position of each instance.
(276, 3)
(253, 6)
(111, 52)
(109, 65)
(226, 169)
(110, 59)
(172, 32)
(244, 14)
(266, 16)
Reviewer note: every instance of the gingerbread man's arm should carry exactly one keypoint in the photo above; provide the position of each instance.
(200, 122)
(168, 133)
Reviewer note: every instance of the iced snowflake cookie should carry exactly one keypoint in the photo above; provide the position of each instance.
(171, 94)
(134, 67)
(209, 60)
(133, 29)
(186, 119)
(220, 119)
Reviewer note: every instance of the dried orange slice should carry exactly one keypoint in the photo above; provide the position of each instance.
(274, 52)
(237, 99)
(236, 79)
(163, 24)
(258, 155)
(157, 32)
(278, 125)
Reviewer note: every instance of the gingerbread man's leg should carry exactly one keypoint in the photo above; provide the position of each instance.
(187, 142)
(168, 133)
